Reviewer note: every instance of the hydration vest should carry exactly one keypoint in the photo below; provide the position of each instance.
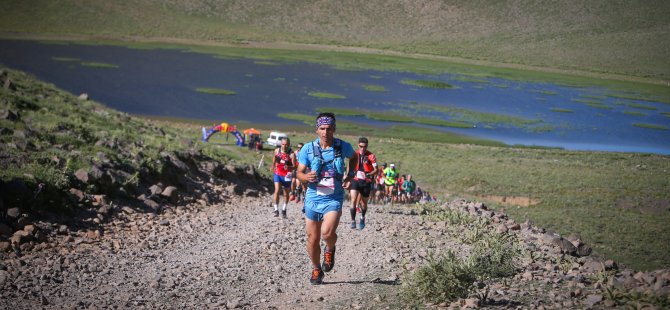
(337, 149)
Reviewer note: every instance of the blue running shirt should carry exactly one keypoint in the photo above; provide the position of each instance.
(329, 189)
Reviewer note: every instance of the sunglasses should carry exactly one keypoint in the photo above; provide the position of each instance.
(362, 146)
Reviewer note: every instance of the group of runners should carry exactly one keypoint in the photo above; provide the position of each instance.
(317, 173)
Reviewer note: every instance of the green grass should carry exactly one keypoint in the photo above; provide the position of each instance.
(325, 95)
(375, 88)
(651, 126)
(427, 84)
(99, 65)
(476, 117)
(215, 91)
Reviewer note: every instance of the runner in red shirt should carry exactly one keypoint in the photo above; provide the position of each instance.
(365, 163)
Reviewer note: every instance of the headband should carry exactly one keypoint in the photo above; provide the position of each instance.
(325, 120)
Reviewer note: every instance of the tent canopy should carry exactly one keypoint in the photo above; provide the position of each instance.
(251, 131)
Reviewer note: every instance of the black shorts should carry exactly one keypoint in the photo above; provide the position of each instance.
(362, 187)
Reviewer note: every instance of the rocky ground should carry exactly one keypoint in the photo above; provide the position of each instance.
(235, 254)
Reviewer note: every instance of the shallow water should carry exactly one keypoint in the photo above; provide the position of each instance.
(162, 82)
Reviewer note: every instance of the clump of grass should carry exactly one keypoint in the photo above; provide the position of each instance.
(67, 59)
(545, 92)
(666, 114)
(215, 91)
(375, 88)
(635, 113)
(427, 84)
(326, 95)
(448, 277)
(442, 279)
(651, 126)
(266, 63)
(561, 110)
(100, 65)
(641, 106)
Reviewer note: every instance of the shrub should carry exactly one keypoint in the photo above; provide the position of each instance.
(443, 279)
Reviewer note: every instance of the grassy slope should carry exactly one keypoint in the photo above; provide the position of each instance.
(624, 37)
(617, 202)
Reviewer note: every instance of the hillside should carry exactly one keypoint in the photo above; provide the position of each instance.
(620, 37)
(99, 209)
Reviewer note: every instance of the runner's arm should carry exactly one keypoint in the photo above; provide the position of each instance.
(305, 177)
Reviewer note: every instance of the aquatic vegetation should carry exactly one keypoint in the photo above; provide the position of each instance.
(544, 92)
(651, 126)
(635, 113)
(99, 65)
(641, 106)
(266, 63)
(376, 88)
(326, 95)
(215, 91)
(561, 110)
(69, 59)
(427, 83)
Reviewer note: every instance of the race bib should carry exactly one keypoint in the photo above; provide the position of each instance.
(360, 175)
(282, 162)
(326, 185)
(288, 177)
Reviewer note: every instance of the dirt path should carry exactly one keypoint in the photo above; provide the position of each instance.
(234, 255)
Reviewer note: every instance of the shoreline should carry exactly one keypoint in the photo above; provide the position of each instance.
(332, 48)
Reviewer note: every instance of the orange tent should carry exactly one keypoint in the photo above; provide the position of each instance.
(251, 131)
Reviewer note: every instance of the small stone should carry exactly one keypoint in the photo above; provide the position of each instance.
(82, 175)
(593, 299)
(13, 212)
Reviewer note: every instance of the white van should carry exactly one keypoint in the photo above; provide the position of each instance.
(275, 138)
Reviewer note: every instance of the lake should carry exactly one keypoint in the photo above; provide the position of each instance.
(163, 82)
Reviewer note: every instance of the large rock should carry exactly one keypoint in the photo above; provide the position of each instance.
(566, 246)
(170, 193)
(82, 176)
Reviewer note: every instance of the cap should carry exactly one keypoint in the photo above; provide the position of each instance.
(392, 165)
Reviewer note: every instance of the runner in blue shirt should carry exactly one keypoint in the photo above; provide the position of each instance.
(321, 164)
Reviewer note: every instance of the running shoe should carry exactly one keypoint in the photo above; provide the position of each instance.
(292, 197)
(361, 224)
(328, 260)
(276, 213)
(358, 209)
(353, 224)
(283, 214)
(317, 276)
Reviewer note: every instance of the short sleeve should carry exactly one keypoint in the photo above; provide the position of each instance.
(347, 149)
(303, 157)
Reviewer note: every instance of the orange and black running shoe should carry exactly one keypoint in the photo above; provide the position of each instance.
(328, 259)
(317, 276)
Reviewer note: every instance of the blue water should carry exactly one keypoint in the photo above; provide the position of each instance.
(162, 82)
